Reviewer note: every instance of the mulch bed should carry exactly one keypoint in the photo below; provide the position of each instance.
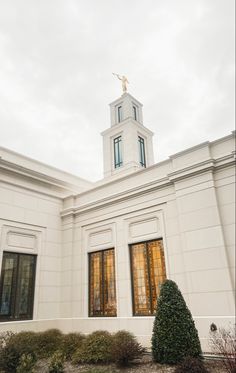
(145, 365)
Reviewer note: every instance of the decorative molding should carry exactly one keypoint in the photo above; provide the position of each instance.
(210, 165)
(21, 240)
(144, 227)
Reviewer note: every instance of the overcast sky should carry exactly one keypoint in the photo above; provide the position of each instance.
(56, 64)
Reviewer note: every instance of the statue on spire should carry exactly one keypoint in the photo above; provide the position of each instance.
(124, 81)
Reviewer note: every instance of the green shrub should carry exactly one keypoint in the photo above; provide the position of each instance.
(38, 345)
(125, 348)
(174, 334)
(26, 364)
(191, 364)
(48, 342)
(96, 348)
(70, 343)
(23, 343)
(57, 363)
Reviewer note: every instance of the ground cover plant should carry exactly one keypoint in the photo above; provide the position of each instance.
(174, 334)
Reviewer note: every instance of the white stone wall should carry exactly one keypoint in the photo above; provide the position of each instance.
(187, 200)
(177, 200)
(31, 198)
(30, 223)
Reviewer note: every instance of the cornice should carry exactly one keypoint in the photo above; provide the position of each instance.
(127, 121)
(46, 180)
(39, 163)
(118, 197)
(210, 165)
(190, 150)
(122, 97)
(190, 171)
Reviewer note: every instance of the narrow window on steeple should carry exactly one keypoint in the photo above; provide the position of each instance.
(119, 113)
(142, 158)
(135, 113)
(118, 152)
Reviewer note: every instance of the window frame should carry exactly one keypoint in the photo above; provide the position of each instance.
(117, 142)
(142, 153)
(103, 287)
(152, 313)
(135, 112)
(119, 114)
(15, 288)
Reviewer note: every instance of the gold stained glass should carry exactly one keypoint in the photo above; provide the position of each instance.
(102, 288)
(95, 284)
(148, 273)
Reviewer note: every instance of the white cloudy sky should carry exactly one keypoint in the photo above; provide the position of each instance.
(56, 64)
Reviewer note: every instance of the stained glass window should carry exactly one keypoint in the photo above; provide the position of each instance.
(102, 286)
(148, 273)
(17, 286)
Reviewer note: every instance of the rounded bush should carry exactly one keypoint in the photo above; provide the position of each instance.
(125, 348)
(95, 348)
(174, 334)
(191, 364)
(17, 345)
(70, 343)
(48, 342)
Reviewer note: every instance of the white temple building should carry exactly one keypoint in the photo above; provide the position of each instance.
(83, 256)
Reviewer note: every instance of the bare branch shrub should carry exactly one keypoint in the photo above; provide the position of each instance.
(223, 344)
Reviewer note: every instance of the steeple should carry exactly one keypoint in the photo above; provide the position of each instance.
(127, 144)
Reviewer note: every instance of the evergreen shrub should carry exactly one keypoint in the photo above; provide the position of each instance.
(95, 348)
(174, 334)
(125, 348)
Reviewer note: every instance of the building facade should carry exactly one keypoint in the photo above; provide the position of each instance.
(83, 256)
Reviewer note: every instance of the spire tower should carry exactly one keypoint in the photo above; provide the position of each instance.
(127, 144)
